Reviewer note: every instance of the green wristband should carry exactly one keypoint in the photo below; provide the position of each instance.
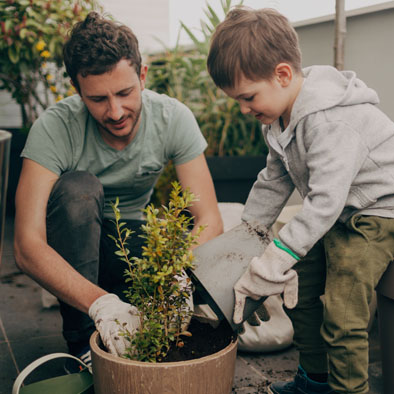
(285, 248)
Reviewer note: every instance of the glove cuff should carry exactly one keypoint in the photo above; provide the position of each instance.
(99, 302)
(279, 244)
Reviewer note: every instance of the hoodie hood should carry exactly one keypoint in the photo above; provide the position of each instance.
(325, 87)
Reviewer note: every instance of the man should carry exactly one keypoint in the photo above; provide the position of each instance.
(111, 140)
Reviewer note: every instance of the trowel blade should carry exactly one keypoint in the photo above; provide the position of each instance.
(220, 262)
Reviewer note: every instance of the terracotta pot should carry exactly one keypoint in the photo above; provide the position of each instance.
(209, 374)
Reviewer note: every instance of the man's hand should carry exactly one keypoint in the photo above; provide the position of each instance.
(111, 316)
(268, 275)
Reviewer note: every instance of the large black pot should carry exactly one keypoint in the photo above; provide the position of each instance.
(233, 176)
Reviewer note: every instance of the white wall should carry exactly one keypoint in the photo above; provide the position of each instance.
(149, 20)
(368, 49)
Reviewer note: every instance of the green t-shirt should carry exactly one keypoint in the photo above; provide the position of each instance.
(66, 138)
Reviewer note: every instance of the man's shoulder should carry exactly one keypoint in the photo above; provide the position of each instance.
(72, 107)
(67, 117)
(160, 102)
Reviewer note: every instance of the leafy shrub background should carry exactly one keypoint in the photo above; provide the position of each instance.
(32, 33)
(182, 73)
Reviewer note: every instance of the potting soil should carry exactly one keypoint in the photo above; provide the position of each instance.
(205, 340)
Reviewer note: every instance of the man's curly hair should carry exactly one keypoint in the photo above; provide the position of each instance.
(96, 45)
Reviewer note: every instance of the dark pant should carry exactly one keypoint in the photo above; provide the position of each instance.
(345, 266)
(77, 230)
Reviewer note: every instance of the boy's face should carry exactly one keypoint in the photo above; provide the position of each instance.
(265, 99)
(114, 101)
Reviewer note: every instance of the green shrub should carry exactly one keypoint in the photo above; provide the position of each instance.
(154, 288)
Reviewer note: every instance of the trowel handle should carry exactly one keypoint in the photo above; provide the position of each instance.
(251, 305)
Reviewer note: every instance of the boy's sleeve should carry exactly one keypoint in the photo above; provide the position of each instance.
(269, 194)
(186, 141)
(335, 154)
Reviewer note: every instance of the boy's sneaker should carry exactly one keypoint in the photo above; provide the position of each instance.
(73, 366)
(300, 385)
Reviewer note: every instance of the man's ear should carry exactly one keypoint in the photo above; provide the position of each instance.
(283, 74)
(144, 71)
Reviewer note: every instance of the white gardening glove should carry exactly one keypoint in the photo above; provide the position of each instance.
(186, 285)
(111, 315)
(268, 275)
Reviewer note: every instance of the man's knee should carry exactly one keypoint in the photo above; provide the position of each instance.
(78, 194)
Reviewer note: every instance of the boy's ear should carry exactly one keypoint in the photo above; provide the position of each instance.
(283, 74)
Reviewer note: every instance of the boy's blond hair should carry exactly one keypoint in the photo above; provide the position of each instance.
(251, 43)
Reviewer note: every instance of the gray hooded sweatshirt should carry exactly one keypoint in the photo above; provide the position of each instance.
(337, 151)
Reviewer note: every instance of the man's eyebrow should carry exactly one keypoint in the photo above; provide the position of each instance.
(125, 90)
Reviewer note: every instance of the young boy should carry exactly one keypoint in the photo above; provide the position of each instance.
(327, 139)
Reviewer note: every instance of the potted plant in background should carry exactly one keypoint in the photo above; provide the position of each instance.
(31, 62)
(162, 355)
(236, 149)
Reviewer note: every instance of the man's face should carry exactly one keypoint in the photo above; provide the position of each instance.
(114, 101)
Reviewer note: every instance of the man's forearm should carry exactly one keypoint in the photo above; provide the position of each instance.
(44, 265)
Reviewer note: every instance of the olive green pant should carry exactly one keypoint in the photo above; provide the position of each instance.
(345, 266)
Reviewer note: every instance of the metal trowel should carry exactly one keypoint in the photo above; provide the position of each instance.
(218, 265)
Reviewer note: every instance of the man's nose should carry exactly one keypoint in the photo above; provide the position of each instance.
(115, 110)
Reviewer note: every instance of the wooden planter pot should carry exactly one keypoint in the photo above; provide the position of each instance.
(210, 374)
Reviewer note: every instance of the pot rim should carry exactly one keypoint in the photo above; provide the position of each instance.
(95, 348)
(5, 135)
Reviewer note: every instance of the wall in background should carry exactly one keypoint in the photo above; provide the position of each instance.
(369, 49)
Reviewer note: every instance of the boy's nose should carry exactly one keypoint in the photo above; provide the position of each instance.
(244, 109)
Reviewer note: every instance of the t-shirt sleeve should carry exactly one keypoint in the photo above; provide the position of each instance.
(49, 143)
(186, 141)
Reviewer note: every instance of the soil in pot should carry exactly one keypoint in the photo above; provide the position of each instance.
(205, 340)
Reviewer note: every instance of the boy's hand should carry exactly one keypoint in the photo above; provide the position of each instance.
(111, 316)
(268, 275)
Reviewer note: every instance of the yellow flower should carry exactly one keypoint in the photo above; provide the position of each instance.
(49, 77)
(70, 92)
(40, 45)
(53, 89)
(59, 97)
(44, 65)
(45, 54)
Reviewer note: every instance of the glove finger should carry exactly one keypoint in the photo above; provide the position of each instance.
(262, 313)
(290, 292)
(253, 320)
(120, 346)
(239, 308)
(107, 341)
(241, 329)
